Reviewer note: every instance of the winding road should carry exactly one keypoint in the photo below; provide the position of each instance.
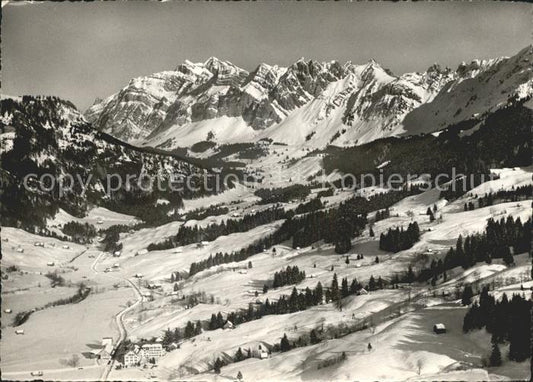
(119, 317)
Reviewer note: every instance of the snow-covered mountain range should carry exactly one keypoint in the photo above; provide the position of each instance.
(307, 103)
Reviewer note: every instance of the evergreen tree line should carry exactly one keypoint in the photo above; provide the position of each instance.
(495, 242)
(395, 240)
(111, 238)
(282, 194)
(382, 214)
(337, 226)
(502, 196)
(79, 232)
(202, 213)
(502, 140)
(341, 225)
(312, 205)
(145, 207)
(507, 321)
(279, 236)
(188, 235)
(287, 276)
(239, 356)
(318, 335)
(296, 301)
(293, 303)
(380, 201)
(465, 184)
(191, 329)
(325, 193)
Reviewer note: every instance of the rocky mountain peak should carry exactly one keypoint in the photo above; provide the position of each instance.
(370, 99)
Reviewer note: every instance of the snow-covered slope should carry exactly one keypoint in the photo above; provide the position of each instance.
(481, 87)
(307, 103)
(367, 104)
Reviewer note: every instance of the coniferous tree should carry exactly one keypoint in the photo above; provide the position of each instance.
(213, 324)
(313, 337)
(176, 335)
(495, 355)
(466, 298)
(189, 330)
(507, 256)
(218, 365)
(343, 245)
(505, 320)
(239, 356)
(354, 287)
(319, 293)
(398, 239)
(198, 328)
(220, 320)
(284, 344)
(344, 288)
(520, 328)
(334, 290)
(372, 283)
(293, 301)
(167, 338)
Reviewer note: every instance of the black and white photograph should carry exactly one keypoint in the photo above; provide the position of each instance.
(266, 191)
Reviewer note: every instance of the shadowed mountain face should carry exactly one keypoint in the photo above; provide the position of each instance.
(481, 88)
(309, 102)
(47, 135)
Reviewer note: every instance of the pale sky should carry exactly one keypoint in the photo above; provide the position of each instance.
(80, 51)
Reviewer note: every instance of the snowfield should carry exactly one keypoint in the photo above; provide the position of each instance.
(18, 248)
(100, 217)
(399, 320)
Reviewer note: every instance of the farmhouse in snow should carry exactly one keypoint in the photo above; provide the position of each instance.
(439, 328)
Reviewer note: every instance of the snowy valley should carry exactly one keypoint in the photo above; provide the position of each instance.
(286, 273)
